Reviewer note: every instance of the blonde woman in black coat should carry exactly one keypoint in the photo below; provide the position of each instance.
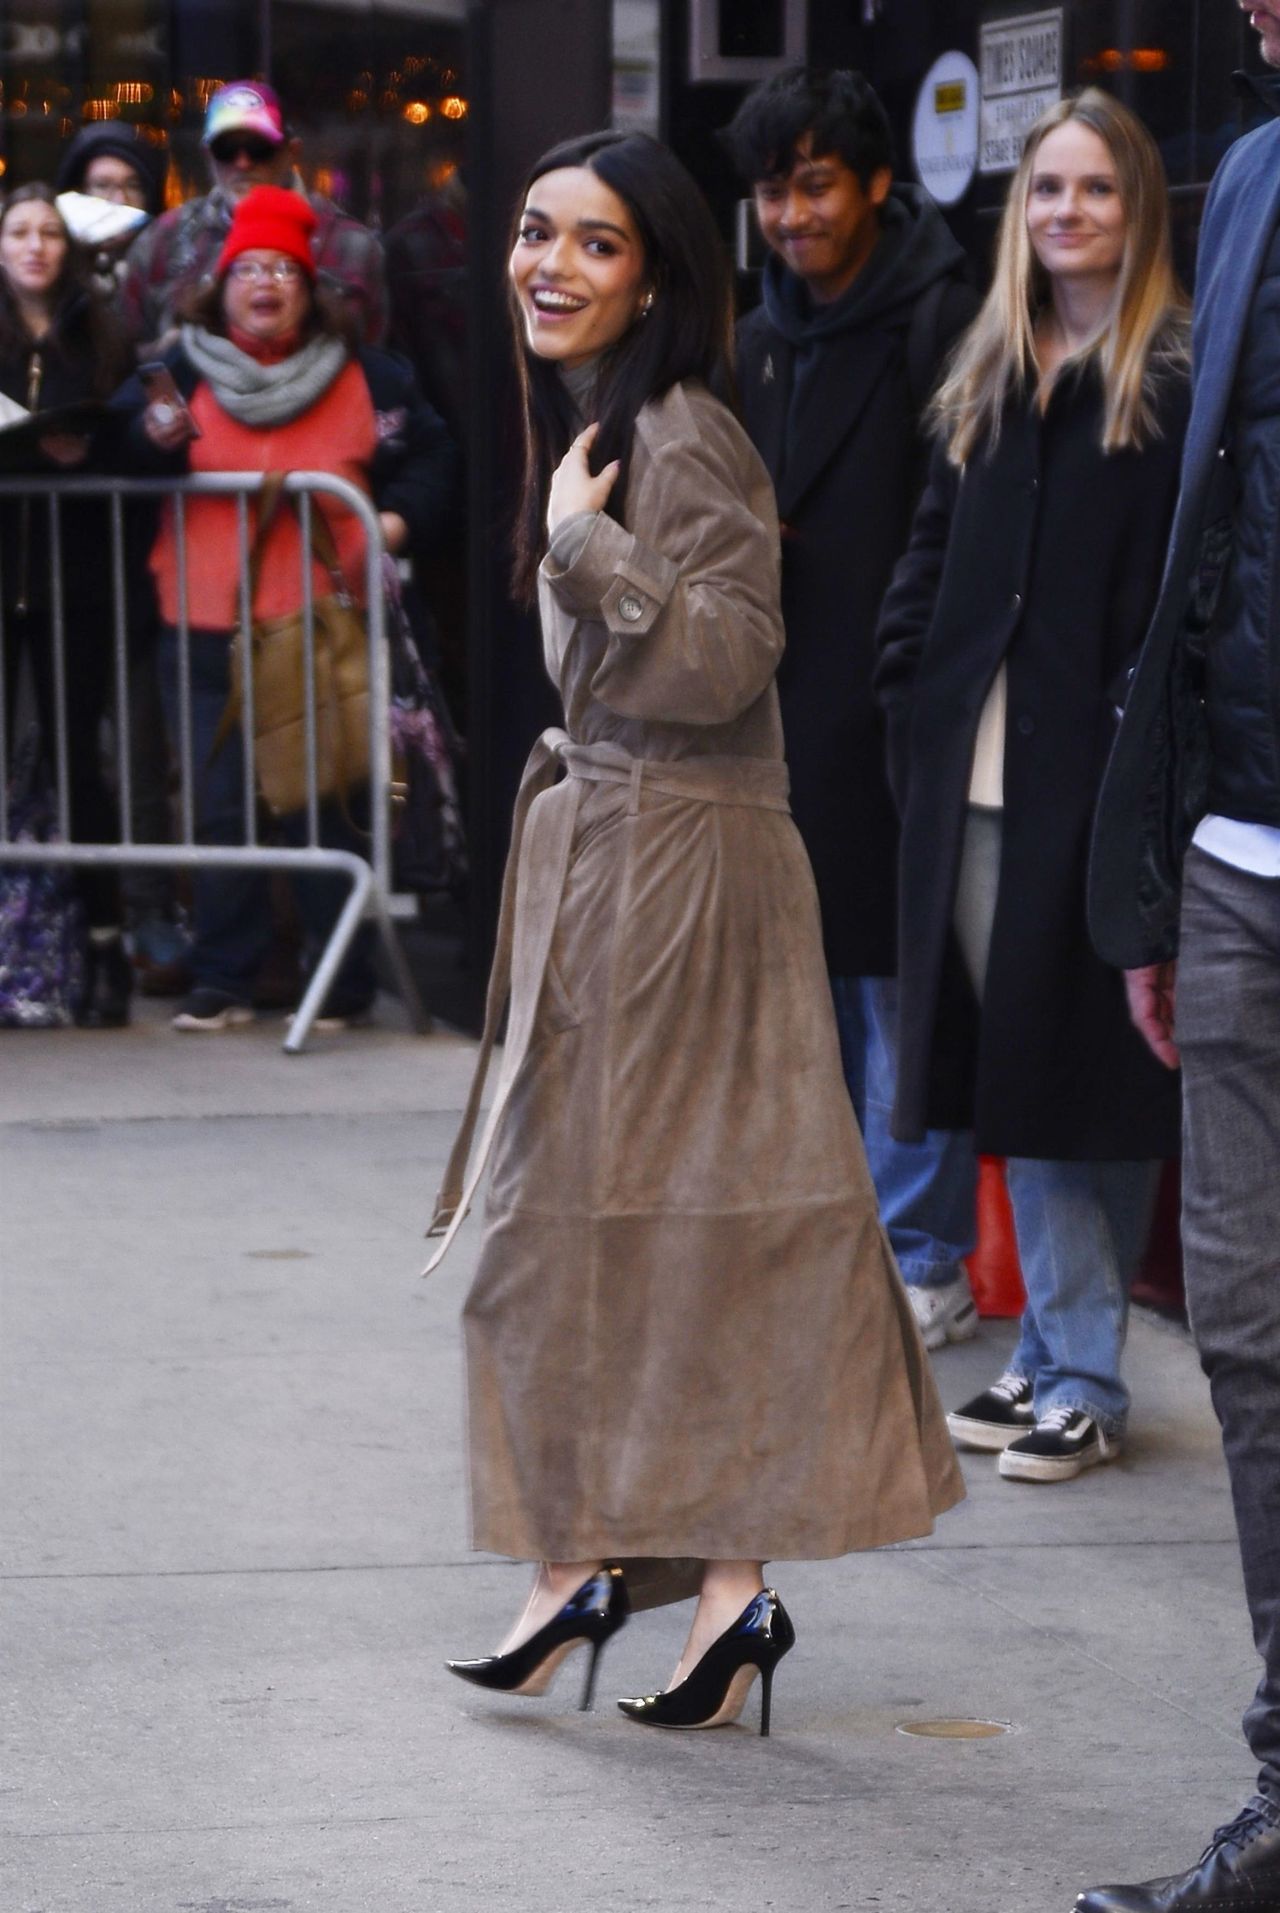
(1006, 642)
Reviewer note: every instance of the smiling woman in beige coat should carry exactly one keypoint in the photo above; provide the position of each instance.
(686, 1338)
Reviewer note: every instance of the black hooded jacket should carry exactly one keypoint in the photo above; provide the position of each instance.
(832, 396)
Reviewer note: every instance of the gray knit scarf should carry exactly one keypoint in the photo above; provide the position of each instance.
(256, 394)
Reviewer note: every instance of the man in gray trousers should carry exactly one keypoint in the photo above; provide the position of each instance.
(1186, 866)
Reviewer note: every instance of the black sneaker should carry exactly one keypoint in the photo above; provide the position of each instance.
(211, 1010)
(1062, 1444)
(995, 1417)
(1238, 1872)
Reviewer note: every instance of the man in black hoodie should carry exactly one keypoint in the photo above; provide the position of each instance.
(865, 291)
(114, 160)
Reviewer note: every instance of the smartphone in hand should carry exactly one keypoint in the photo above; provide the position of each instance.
(161, 390)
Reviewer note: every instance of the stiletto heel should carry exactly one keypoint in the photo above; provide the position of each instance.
(713, 1694)
(589, 1685)
(590, 1617)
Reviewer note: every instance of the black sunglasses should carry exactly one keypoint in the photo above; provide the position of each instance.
(229, 146)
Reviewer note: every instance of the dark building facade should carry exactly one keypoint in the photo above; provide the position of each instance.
(1170, 60)
(403, 105)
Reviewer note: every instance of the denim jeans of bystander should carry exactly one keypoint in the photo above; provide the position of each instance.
(928, 1190)
(1081, 1228)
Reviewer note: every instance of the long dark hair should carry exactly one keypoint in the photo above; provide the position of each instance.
(688, 333)
(83, 332)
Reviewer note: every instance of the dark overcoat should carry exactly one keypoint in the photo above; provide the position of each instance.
(1045, 554)
(1156, 784)
(848, 477)
(69, 377)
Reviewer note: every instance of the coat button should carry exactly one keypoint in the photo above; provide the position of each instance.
(1026, 726)
(631, 609)
(1017, 601)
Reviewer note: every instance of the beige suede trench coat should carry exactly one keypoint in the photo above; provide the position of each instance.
(686, 1336)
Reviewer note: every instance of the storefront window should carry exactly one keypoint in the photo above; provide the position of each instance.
(1172, 62)
(379, 97)
(375, 87)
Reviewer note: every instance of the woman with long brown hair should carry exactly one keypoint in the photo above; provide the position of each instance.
(59, 346)
(686, 1339)
(1007, 639)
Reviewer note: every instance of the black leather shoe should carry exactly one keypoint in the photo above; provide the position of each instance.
(1238, 1872)
(712, 1695)
(591, 1616)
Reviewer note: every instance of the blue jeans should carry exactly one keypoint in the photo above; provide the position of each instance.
(1228, 1030)
(928, 1190)
(1080, 1227)
(232, 908)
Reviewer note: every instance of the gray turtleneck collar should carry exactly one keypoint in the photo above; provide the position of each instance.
(580, 383)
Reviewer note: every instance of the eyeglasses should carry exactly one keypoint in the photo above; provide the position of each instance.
(121, 192)
(228, 147)
(252, 272)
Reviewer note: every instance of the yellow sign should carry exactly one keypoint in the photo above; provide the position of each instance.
(949, 98)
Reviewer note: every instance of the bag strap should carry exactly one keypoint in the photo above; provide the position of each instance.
(269, 502)
(324, 551)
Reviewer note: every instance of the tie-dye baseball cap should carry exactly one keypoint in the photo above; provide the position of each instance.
(245, 106)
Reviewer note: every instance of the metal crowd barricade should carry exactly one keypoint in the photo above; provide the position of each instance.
(370, 877)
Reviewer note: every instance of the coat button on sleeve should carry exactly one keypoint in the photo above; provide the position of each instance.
(631, 609)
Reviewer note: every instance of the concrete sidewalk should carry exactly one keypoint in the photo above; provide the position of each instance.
(235, 1556)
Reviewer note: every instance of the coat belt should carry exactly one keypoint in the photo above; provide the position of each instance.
(532, 888)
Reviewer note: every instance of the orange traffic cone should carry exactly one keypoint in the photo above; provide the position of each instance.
(994, 1274)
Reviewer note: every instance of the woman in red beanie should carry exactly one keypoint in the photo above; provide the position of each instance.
(272, 381)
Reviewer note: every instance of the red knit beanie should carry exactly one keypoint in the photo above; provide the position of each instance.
(271, 219)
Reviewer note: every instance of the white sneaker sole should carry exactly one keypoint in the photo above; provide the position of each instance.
(235, 1016)
(961, 1327)
(984, 1436)
(1057, 1468)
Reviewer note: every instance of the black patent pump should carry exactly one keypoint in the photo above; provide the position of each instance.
(713, 1694)
(590, 1617)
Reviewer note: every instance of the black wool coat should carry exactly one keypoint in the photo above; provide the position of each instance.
(848, 477)
(1045, 554)
(69, 376)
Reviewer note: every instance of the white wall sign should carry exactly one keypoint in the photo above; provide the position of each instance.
(944, 133)
(637, 66)
(1021, 63)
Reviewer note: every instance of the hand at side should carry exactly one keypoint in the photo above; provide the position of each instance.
(1151, 992)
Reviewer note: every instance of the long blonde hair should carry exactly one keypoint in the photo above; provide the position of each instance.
(1148, 328)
